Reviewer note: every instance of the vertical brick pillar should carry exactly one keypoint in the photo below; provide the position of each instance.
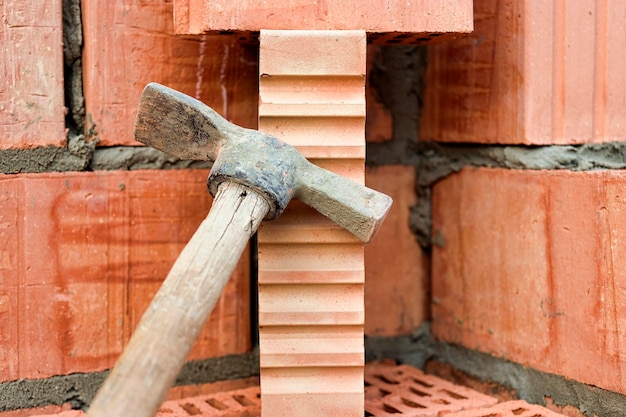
(311, 271)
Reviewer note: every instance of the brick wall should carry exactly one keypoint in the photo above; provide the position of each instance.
(84, 249)
(92, 222)
(527, 263)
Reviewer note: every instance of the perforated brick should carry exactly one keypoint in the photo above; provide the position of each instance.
(508, 409)
(403, 390)
(240, 403)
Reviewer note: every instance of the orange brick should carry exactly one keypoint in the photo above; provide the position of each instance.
(311, 272)
(83, 255)
(508, 409)
(422, 16)
(31, 74)
(131, 43)
(404, 390)
(396, 269)
(528, 268)
(533, 73)
(40, 411)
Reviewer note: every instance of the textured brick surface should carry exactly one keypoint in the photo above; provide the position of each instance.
(508, 409)
(396, 269)
(532, 72)
(311, 271)
(393, 390)
(129, 43)
(421, 17)
(31, 74)
(529, 267)
(82, 254)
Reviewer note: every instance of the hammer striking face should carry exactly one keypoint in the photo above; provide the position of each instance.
(188, 129)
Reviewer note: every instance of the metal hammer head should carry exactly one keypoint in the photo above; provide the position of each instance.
(188, 129)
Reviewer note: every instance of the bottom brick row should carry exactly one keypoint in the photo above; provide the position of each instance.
(390, 390)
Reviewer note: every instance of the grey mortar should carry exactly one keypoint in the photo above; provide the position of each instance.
(73, 66)
(79, 389)
(530, 385)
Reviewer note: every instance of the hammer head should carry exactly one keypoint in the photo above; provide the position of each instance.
(188, 129)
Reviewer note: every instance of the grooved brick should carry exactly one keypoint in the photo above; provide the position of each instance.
(311, 271)
(82, 254)
(508, 409)
(417, 21)
(399, 305)
(130, 43)
(531, 73)
(31, 74)
(528, 267)
(392, 390)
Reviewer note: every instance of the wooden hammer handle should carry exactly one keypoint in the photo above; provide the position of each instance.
(157, 350)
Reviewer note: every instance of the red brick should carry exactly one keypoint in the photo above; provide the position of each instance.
(31, 74)
(533, 73)
(396, 269)
(130, 43)
(423, 16)
(508, 409)
(529, 267)
(85, 254)
(40, 411)
(392, 390)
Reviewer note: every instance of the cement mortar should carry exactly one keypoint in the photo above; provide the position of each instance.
(73, 66)
(131, 158)
(79, 389)
(397, 81)
(435, 162)
(529, 384)
(75, 157)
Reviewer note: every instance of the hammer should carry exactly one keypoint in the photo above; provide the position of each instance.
(254, 176)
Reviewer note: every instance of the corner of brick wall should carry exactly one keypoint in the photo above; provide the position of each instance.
(527, 264)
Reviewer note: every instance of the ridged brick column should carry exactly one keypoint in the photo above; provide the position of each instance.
(311, 271)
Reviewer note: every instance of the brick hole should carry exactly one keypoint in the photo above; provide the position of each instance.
(386, 380)
(454, 395)
(493, 415)
(367, 384)
(191, 409)
(368, 414)
(422, 383)
(538, 415)
(441, 401)
(518, 411)
(218, 405)
(383, 392)
(418, 392)
(411, 404)
(391, 410)
(243, 400)
(165, 411)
